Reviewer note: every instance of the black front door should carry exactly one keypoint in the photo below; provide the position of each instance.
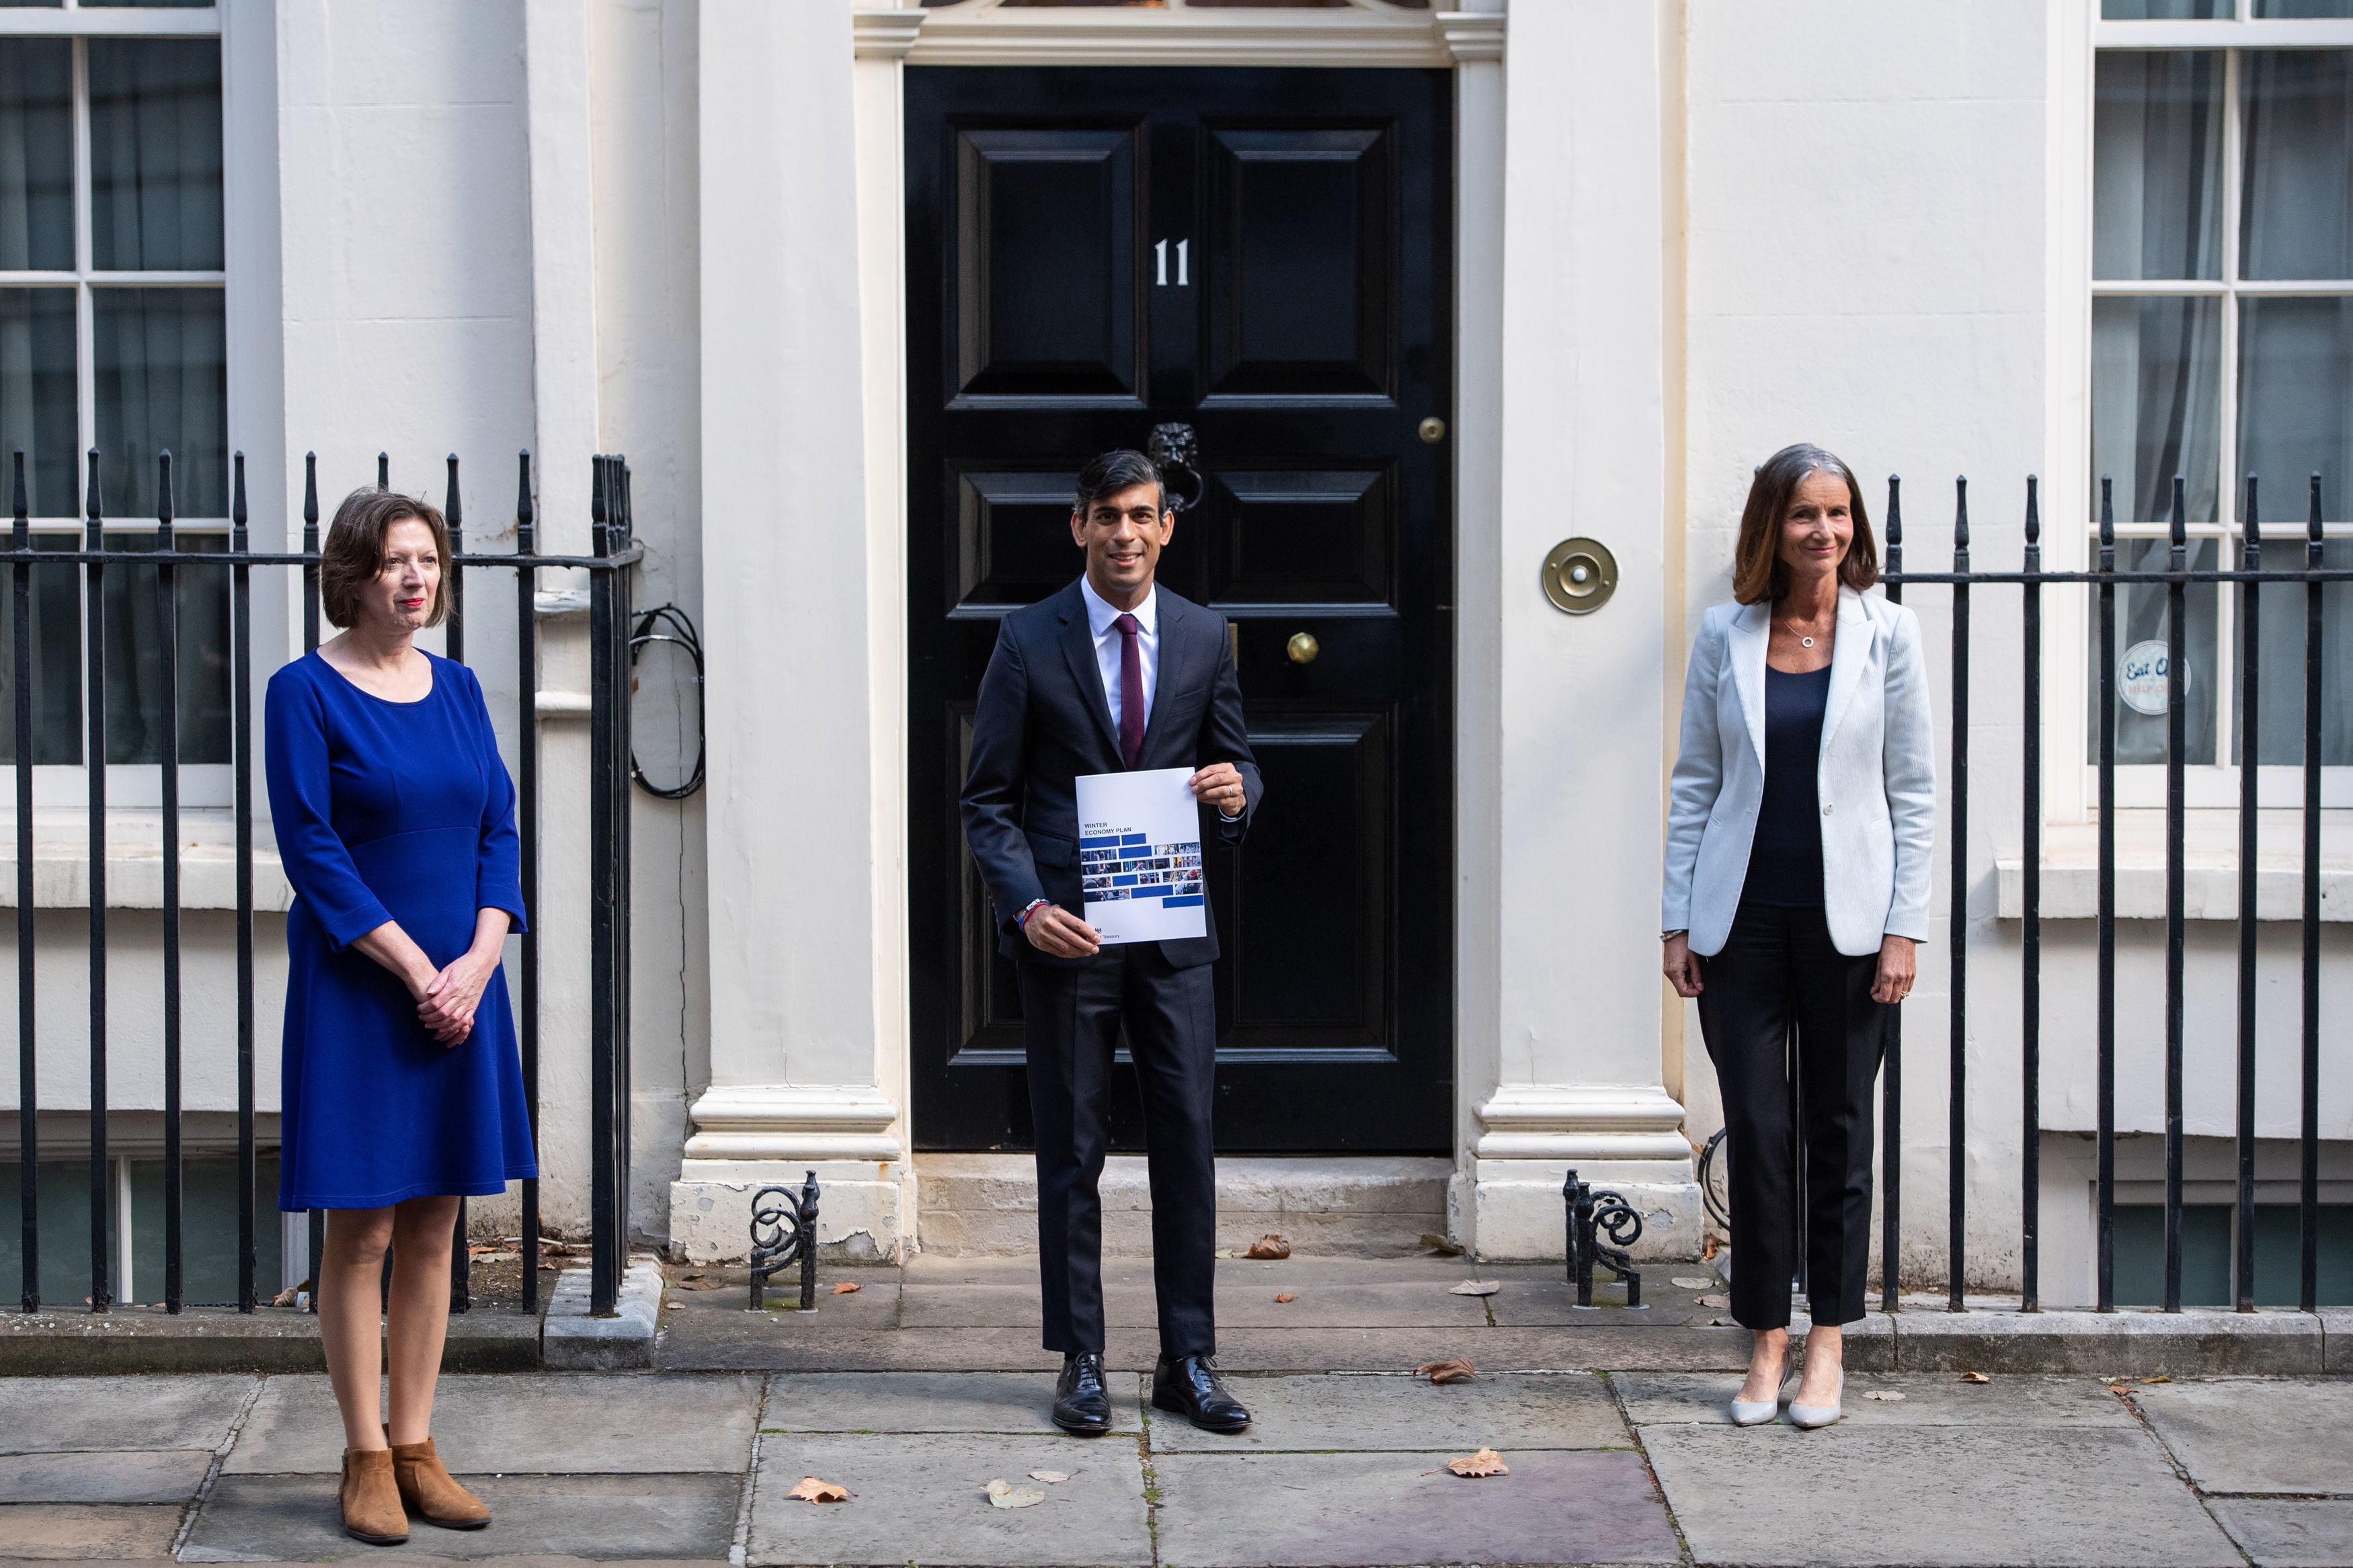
(1263, 256)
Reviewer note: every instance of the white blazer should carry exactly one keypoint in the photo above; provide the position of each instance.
(1877, 781)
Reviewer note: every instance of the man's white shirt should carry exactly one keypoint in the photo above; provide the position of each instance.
(1102, 620)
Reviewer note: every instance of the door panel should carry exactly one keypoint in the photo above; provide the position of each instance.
(1263, 255)
(1300, 297)
(1046, 259)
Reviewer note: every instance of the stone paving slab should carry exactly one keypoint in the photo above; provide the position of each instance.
(171, 1475)
(548, 1422)
(110, 1532)
(1941, 1497)
(47, 1415)
(1935, 1399)
(271, 1518)
(2286, 1532)
(1015, 1402)
(1314, 1415)
(923, 1499)
(133, 1341)
(2257, 1435)
(1323, 1510)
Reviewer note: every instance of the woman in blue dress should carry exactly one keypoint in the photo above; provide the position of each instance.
(402, 1089)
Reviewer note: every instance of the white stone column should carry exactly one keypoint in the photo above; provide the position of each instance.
(801, 584)
(1560, 716)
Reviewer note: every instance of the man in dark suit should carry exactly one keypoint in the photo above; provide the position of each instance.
(1112, 674)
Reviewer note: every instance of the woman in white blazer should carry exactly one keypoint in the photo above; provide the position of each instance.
(1798, 835)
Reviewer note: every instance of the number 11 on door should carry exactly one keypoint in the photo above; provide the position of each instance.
(1160, 259)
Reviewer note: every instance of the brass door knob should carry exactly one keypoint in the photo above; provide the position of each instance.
(1433, 430)
(1303, 647)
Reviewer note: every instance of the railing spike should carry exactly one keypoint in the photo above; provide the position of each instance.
(384, 470)
(92, 503)
(2178, 528)
(24, 508)
(163, 495)
(2254, 530)
(2107, 523)
(2312, 523)
(1961, 518)
(2034, 512)
(236, 492)
(522, 488)
(310, 490)
(450, 511)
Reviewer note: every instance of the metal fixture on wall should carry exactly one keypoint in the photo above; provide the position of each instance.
(1303, 647)
(1579, 575)
(1431, 430)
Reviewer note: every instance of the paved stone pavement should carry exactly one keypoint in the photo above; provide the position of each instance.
(1340, 1470)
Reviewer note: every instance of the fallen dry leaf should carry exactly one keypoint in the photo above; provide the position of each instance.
(811, 1489)
(1882, 1393)
(2158, 1378)
(477, 1249)
(1004, 1494)
(1476, 1288)
(847, 1287)
(1685, 1284)
(701, 1284)
(1284, 1295)
(1975, 1377)
(1437, 1243)
(1050, 1476)
(1485, 1462)
(1453, 1370)
(677, 1307)
(1268, 1246)
(1710, 1301)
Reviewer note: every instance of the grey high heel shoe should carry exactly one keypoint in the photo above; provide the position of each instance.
(1757, 1412)
(1812, 1416)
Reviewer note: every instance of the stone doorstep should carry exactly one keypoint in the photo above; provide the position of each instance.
(986, 1205)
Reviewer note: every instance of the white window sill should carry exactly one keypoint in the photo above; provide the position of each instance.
(135, 861)
(2071, 872)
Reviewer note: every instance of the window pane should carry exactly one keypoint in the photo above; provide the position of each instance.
(2157, 165)
(2263, 9)
(2296, 403)
(2155, 387)
(2298, 221)
(207, 1226)
(37, 395)
(2129, 10)
(2281, 721)
(154, 154)
(37, 154)
(134, 665)
(2141, 620)
(56, 657)
(161, 386)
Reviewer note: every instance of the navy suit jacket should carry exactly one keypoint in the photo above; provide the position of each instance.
(1043, 720)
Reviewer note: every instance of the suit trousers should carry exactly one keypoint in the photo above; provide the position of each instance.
(1779, 976)
(1072, 1019)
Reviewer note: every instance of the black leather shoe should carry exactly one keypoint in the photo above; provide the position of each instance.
(1189, 1387)
(1082, 1403)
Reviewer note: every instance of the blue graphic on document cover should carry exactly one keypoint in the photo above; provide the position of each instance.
(1115, 865)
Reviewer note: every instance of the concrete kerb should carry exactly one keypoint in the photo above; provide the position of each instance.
(572, 1341)
(2139, 1343)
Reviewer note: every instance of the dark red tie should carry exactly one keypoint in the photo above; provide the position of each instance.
(1131, 690)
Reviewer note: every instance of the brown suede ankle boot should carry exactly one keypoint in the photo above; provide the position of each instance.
(426, 1487)
(369, 1499)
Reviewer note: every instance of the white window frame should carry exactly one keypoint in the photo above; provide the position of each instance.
(133, 788)
(2215, 785)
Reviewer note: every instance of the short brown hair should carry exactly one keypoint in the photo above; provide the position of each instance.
(1757, 569)
(353, 552)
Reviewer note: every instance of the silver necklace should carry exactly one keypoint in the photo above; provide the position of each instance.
(1802, 641)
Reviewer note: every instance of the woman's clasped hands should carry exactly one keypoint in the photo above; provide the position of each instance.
(446, 1005)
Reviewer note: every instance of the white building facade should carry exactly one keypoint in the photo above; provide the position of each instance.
(1594, 261)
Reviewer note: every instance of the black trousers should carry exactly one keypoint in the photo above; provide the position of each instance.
(1778, 973)
(1071, 1023)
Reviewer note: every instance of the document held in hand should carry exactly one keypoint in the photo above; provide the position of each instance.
(1140, 856)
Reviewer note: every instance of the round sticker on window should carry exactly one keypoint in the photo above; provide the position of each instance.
(2141, 677)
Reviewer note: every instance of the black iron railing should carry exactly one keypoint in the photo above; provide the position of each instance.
(613, 552)
(2102, 583)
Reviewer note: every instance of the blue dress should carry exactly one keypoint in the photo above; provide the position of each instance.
(391, 811)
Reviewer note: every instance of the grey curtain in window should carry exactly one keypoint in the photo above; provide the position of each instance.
(154, 154)
(37, 154)
(162, 382)
(2141, 617)
(135, 707)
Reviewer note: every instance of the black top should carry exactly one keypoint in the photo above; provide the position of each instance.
(1785, 860)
